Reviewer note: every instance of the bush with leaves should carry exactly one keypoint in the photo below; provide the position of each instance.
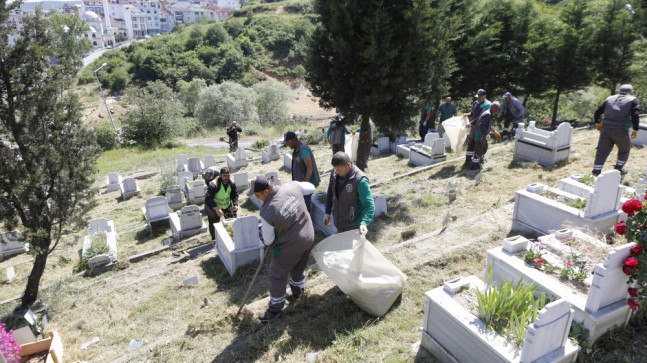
(156, 109)
(106, 137)
(189, 93)
(223, 103)
(271, 101)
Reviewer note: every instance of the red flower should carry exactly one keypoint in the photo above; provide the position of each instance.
(621, 228)
(636, 250)
(631, 262)
(538, 261)
(632, 292)
(628, 270)
(569, 263)
(632, 206)
(632, 304)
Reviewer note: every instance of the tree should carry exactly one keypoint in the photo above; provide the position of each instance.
(373, 59)
(271, 101)
(189, 93)
(67, 29)
(47, 158)
(216, 35)
(156, 110)
(614, 36)
(223, 103)
(232, 63)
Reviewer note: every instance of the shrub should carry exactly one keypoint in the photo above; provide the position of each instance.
(259, 144)
(271, 101)
(223, 103)
(106, 137)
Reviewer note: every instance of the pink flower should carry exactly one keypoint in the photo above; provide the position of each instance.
(569, 263)
(538, 261)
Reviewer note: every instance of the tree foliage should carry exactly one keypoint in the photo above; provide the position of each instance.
(47, 157)
(223, 103)
(373, 59)
(156, 111)
(189, 93)
(271, 101)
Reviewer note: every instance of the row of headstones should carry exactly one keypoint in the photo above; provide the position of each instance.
(186, 222)
(451, 332)
(128, 186)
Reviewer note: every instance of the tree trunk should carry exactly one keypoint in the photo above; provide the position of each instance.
(612, 88)
(554, 123)
(525, 99)
(33, 282)
(364, 147)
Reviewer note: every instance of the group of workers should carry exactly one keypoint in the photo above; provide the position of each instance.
(286, 220)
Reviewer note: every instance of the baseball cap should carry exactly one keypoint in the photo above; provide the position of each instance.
(224, 169)
(289, 136)
(258, 184)
(234, 122)
(507, 94)
(626, 88)
(480, 93)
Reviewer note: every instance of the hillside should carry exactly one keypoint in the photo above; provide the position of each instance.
(146, 300)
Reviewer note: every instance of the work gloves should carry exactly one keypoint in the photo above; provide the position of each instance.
(497, 135)
(634, 134)
(326, 220)
(598, 126)
(363, 230)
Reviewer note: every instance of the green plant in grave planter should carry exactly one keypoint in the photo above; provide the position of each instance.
(509, 308)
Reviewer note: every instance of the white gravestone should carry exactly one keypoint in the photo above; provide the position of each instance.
(129, 188)
(187, 222)
(156, 210)
(174, 197)
(113, 182)
(183, 177)
(241, 180)
(246, 246)
(182, 162)
(209, 161)
(237, 159)
(545, 147)
(10, 244)
(195, 166)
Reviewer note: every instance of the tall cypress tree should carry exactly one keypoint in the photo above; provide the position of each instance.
(374, 59)
(46, 156)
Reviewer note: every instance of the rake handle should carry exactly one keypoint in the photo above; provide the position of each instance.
(249, 289)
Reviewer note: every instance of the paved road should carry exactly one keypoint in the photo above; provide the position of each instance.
(219, 144)
(95, 55)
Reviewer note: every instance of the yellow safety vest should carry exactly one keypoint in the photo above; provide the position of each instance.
(223, 197)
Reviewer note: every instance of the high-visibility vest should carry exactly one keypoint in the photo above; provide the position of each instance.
(223, 197)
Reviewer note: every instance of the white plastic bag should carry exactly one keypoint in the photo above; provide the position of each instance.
(350, 146)
(456, 129)
(360, 271)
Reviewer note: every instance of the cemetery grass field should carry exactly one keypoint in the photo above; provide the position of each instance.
(146, 300)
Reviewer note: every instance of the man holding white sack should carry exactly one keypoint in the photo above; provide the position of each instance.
(286, 223)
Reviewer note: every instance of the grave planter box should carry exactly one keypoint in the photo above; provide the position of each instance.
(187, 222)
(195, 166)
(52, 345)
(453, 334)
(545, 147)
(10, 244)
(195, 191)
(174, 197)
(420, 157)
(605, 305)
(383, 146)
(403, 150)
(272, 177)
(537, 213)
(237, 160)
(287, 160)
(270, 153)
(398, 141)
(246, 246)
(97, 227)
(129, 188)
(113, 182)
(641, 139)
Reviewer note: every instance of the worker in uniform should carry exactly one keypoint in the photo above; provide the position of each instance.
(232, 132)
(482, 129)
(304, 166)
(513, 112)
(479, 106)
(336, 134)
(349, 198)
(221, 200)
(621, 112)
(285, 223)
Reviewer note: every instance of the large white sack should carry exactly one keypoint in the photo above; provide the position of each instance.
(360, 271)
(456, 129)
(350, 146)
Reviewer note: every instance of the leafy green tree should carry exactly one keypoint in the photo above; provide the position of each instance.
(223, 103)
(47, 158)
(67, 30)
(373, 58)
(118, 80)
(271, 101)
(189, 93)
(195, 37)
(614, 38)
(234, 27)
(216, 35)
(156, 109)
(233, 63)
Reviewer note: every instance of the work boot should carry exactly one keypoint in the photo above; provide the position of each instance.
(475, 165)
(596, 172)
(266, 316)
(294, 293)
(621, 170)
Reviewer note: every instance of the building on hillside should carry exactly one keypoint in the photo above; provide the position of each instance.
(167, 21)
(152, 9)
(134, 19)
(74, 9)
(119, 26)
(187, 13)
(228, 4)
(95, 6)
(96, 33)
(216, 13)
